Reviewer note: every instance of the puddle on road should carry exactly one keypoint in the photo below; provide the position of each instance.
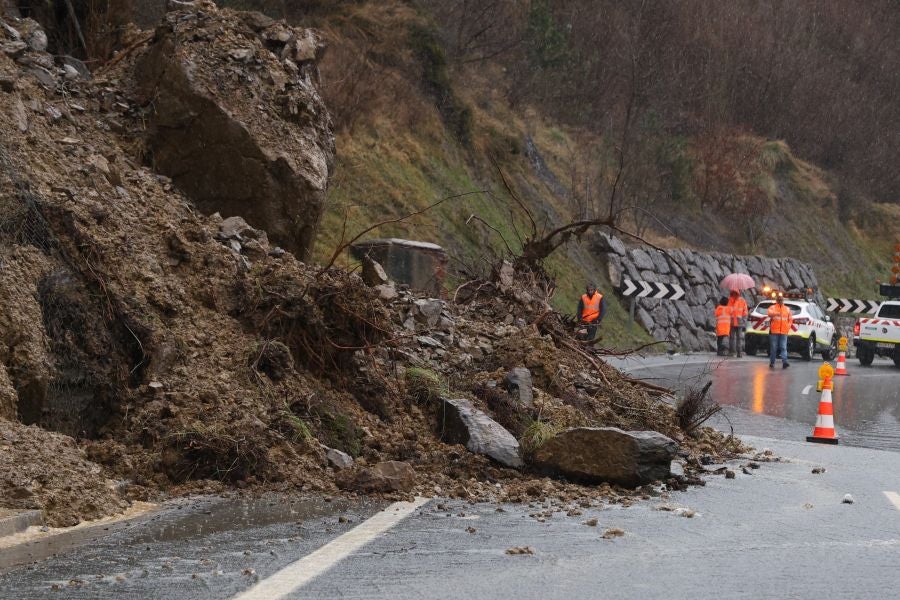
(178, 520)
(208, 516)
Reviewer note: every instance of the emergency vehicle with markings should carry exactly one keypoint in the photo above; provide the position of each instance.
(879, 335)
(812, 331)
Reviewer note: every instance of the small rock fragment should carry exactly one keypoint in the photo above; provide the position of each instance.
(612, 532)
(746, 471)
(818, 470)
(471, 529)
(591, 522)
(729, 474)
(848, 499)
(807, 506)
(519, 550)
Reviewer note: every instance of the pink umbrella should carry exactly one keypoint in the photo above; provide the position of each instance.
(737, 282)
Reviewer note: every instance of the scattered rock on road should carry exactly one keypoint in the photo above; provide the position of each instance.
(848, 499)
(607, 454)
(818, 470)
(591, 522)
(613, 532)
(519, 550)
(729, 474)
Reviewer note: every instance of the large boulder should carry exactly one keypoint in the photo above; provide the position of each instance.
(389, 476)
(607, 454)
(240, 129)
(462, 423)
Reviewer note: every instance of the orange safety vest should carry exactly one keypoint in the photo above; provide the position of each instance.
(723, 320)
(591, 310)
(739, 310)
(781, 319)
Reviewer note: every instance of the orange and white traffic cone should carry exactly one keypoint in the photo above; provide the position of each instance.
(841, 368)
(823, 432)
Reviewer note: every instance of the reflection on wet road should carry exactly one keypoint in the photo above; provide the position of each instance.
(782, 403)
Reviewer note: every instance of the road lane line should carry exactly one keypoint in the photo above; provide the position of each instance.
(894, 497)
(304, 570)
(806, 389)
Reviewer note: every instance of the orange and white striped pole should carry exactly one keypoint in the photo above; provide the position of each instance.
(823, 432)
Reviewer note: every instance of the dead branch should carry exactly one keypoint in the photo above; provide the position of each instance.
(346, 244)
(456, 293)
(583, 354)
(474, 217)
(123, 53)
(517, 200)
(696, 408)
(630, 351)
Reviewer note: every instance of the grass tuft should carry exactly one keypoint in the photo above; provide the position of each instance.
(424, 385)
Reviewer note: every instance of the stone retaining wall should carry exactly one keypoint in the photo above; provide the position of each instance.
(688, 323)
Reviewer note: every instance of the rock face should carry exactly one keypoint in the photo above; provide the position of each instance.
(206, 130)
(688, 323)
(390, 476)
(598, 454)
(462, 423)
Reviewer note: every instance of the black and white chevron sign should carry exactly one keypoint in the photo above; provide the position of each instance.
(652, 289)
(846, 305)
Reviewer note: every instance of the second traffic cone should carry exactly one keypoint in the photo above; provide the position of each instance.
(823, 432)
(841, 368)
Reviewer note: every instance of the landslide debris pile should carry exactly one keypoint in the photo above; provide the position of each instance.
(149, 316)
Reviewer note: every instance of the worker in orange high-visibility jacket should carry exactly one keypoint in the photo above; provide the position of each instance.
(739, 313)
(591, 309)
(780, 321)
(723, 326)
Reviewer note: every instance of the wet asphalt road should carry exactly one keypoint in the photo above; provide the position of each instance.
(782, 403)
(776, 532)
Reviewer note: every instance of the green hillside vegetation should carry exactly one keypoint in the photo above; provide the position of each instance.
(596, 109)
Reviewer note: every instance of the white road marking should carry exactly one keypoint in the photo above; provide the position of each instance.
(806, 389)
(894, 497)
(301, 572)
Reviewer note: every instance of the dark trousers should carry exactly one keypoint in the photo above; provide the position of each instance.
(722, 345)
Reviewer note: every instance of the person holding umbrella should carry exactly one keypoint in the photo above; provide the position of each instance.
(739, 314)
(738, 308)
